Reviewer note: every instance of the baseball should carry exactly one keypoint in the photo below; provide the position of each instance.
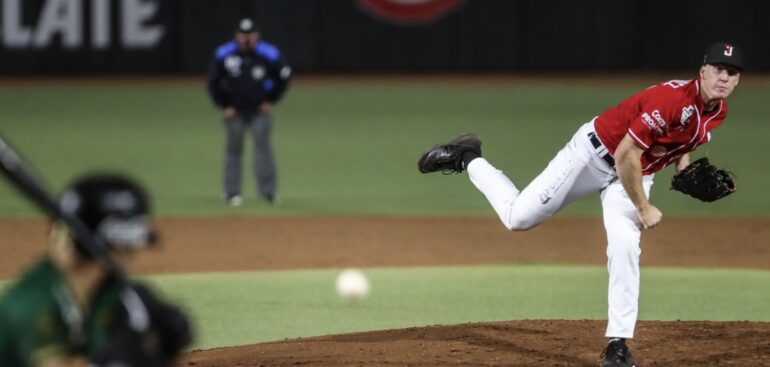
(352, 284)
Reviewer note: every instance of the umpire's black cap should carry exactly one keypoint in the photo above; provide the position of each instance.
(246, 25)
(724, 53)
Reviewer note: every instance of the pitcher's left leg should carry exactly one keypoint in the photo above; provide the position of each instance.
(571, 174)
(623, 236)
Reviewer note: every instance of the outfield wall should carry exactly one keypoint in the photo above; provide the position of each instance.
(55, 36)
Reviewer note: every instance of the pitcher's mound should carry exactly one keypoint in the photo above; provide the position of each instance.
(515, 343)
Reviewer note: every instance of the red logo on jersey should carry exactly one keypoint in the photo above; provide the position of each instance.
(728, 50)
(409, 11)
(658, 151)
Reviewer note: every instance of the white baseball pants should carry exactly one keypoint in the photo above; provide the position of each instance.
(576, 171)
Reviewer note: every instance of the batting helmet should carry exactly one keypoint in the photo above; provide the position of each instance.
(114, 207)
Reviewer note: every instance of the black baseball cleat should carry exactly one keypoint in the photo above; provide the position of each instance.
(269, 198)
(617, 355)
(448, 158)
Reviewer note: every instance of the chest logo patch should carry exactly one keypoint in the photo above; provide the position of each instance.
(686, 115)
(658, 151)
(651, 124)
(233, 65)
(659, 119)
(258, 72)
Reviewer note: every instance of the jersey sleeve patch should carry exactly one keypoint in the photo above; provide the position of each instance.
(285, 72)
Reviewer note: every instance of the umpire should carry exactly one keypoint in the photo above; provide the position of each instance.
(245, 78)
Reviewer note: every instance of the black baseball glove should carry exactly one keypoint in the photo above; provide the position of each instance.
(167, 333)
(704, 181)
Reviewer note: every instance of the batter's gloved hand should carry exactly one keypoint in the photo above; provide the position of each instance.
(156, 344)
(704, 181)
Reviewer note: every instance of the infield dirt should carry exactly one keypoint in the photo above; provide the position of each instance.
(271, 243)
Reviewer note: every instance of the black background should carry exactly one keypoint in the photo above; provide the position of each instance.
(482, 35)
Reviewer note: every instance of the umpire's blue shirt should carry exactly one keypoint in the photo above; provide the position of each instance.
(245, 80)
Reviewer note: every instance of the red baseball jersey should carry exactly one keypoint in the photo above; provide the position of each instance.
(666, 120)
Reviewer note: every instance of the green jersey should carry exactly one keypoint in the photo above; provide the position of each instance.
(39, 318)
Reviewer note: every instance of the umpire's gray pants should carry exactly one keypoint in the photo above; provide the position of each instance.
(263, 164)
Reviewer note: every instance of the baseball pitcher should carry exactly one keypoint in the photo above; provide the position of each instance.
(617, 155)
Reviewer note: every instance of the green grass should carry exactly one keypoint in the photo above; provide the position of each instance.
(245, 308)
(231, 309)
(347, 148)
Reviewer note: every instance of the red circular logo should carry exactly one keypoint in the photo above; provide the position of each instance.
(409, 11)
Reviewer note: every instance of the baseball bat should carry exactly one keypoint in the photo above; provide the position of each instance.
(23, 177)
